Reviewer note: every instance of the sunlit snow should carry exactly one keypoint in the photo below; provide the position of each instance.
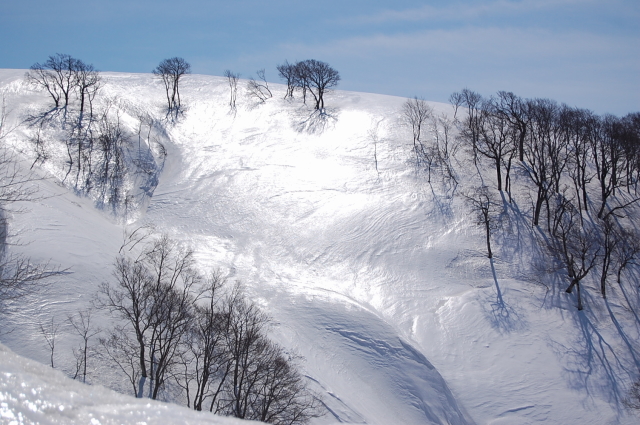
(377, 280)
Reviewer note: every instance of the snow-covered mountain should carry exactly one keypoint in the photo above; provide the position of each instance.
(377, 278)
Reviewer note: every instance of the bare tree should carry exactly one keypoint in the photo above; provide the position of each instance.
(545, 153)
(627, 252)
(41, 77)
(206, 363)
(87, 83)
(246, 345)
(39, 147)
(630, 138)
(577, 249)
(62, 75)
(470, 129)
(516, 110)
(484, 206)
(416, 113)
(611, 237)
(50, 333)
(282, 396)
(232, 79)
(56, 76)
(85, 329)
(301, 78)
(171, 71)
(153, 298)
(494, 137)
(320, 77)
(579, 125)
(456, 100)
(442, 150)
(259, 89)
(107, 172)
(213, 345)
(263, 383)
(287, 72)
(610, 160)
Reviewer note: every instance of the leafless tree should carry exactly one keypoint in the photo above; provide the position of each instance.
(85, 329)
(630, 138)
(211, 343)
(232, 79)
(263, 382)
(516, 110)
(484, 206)
(545, 154)
(41, 77)
(443, 149)
(456, 101)
(287, 72)
(281, 394)
(39, 147)
(56, 76)
(205, 364)
(62, 75)
(627, 252)
(87, 83)
(576, 248)
(610, 160)
(50, 332)
(320, 77)
(153, 297)
(579, 125)
(611, 237)
(259, 89)
(171, 71)
(470, 127)
(247, 348)
(416, 114)
(108, 167)
(494, 136)
(302, 79)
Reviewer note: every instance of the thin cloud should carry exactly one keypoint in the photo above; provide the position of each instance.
(465, 11)
(589, 70)
(496, 42)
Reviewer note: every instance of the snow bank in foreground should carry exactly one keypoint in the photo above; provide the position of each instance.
(32, 393)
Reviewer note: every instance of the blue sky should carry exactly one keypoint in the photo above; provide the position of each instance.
(585, 53)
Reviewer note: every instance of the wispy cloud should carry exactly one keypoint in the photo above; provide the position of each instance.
(584, 69)
(464, 11)
(512, 43)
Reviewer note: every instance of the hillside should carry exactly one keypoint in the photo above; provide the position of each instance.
(376, 277)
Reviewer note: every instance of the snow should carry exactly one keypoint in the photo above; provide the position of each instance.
(32, 393)
(377, 280)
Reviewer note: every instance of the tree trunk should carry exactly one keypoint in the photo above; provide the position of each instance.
(579, 297)
(487, 227)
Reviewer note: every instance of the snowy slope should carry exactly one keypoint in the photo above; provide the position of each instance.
(377, 279)
(32, 393)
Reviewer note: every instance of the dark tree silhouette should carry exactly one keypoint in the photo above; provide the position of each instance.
(171, 71)
(321, 77)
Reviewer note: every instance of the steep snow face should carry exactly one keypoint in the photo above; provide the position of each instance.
(373, 275)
